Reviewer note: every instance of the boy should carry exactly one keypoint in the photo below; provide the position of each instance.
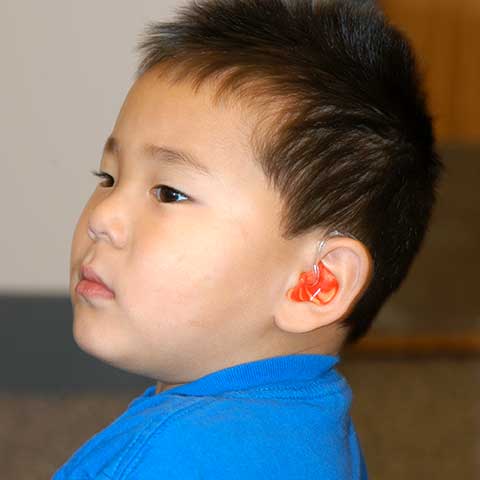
(267, 184)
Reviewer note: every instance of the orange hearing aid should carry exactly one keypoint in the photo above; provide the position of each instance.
(319, 286)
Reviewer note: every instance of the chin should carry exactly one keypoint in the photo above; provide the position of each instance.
(89, 336)
(83, 332)
(101, 345)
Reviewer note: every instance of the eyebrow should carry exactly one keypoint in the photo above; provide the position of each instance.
(162, 154)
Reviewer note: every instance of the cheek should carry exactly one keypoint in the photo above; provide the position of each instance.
(184, 281)
(170, 278)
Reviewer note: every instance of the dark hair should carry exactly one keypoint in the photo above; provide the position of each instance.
(344, 133)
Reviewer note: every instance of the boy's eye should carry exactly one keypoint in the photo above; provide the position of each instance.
(102, 175)
(167, 194)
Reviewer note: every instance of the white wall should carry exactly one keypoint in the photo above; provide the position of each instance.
(66, 66)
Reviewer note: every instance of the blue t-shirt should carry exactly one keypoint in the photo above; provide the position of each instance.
(285, 417)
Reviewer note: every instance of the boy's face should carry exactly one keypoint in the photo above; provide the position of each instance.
(195, 278)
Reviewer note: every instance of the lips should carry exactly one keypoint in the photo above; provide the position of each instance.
(88, 273)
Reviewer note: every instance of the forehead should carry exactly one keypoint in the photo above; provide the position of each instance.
(158, 112)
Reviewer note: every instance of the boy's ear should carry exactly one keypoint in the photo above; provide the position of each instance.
(352, 266)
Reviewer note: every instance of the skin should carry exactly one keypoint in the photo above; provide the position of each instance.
(200, 282)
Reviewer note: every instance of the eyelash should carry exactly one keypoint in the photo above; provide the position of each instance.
(163, 187)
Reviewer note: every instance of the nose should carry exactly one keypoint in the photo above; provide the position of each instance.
(107, 221)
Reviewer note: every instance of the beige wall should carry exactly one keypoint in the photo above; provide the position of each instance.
(65, 68)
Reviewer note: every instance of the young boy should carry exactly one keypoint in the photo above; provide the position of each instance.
(266, 186)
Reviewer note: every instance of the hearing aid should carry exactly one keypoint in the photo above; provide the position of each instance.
(320, 284)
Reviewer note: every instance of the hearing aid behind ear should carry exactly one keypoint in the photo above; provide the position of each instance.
(320, 285)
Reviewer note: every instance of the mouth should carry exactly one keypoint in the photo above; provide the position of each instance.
(92, 285)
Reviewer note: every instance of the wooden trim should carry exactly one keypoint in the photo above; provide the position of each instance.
(466, 344)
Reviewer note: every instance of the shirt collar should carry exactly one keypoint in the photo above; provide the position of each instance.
(295, 368)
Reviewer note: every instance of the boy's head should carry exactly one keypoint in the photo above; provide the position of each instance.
(305, 117)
